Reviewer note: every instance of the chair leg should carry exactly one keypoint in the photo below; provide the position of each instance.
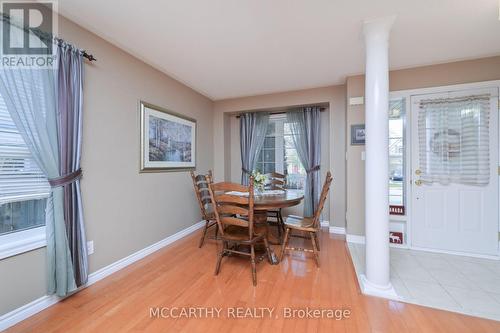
(280, 219)
(219, 259)
(278, 222)
(285, 243)
(254, 271)
(216, 230)
(317, 240)
(268, 251)
(315, 249)
(204, 234)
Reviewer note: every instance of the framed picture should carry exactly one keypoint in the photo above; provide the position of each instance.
(168, 140)
(357, 135)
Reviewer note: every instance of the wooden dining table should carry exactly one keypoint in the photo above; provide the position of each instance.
(265, 202)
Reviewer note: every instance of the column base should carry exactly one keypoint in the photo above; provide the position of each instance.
(371, 289)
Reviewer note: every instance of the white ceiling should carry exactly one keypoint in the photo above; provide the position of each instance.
(231, 48)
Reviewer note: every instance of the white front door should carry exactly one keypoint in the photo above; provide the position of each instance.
(454, 181)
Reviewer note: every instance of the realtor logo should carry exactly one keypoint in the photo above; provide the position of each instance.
(27, 33)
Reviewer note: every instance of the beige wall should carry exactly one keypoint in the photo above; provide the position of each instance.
(422, 77)
(124, 211)
(226, 153)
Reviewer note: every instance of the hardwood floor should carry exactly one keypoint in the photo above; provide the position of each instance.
(181, 275)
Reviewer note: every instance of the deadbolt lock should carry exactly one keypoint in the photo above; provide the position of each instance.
(418, 172)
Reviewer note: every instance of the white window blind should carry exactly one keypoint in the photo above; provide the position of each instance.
(454, 140)
(20, 177)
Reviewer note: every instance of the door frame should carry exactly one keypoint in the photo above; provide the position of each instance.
(407, 94)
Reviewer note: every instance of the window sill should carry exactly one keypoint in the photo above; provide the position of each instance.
(22, 241)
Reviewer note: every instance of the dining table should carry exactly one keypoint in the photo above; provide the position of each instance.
(271, 200)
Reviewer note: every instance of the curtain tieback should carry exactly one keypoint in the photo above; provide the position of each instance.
(246, 171)
(66, 179)
(315, 168)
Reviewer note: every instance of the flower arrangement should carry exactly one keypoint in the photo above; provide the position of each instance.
(259, 180)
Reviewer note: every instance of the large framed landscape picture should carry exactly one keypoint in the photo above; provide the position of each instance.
(168, 140)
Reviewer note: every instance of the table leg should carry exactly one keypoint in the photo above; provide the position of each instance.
(260, 217)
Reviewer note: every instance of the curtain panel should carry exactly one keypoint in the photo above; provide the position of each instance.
(70, 104)
(46, 105)
(454, 140)
(305, 125)
(253, 128)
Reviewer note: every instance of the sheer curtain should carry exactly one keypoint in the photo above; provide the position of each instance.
(454, 140)
(53, 136)
(253, 128)
(305, 125)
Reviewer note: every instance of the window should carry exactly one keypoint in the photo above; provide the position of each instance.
(279, 154)
(397, 156)
(23, 186)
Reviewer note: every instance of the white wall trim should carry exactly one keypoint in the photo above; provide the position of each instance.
(337, 230)
(18, 242)
(356, 239)
(15, 316)
(122, 263)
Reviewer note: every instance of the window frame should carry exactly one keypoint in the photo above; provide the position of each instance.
(279, 145)
(405, 156)
(26, 239)
(17, 242)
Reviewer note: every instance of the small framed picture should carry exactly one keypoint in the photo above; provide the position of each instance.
(168, 140)
(357, 135)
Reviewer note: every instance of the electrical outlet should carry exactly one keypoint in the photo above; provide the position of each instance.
(90, 247)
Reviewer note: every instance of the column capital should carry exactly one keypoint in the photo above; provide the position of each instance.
(378, 27)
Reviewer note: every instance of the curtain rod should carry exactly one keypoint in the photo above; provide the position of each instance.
(90, 57)
(44, 35)
(282, 112)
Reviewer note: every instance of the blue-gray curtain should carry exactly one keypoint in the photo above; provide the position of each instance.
(52, 132)
(70, 103)
(305, 125)
(253, 128)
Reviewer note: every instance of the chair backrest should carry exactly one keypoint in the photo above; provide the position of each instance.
(275, 181)
(322, 199)
(200, 183)
(233, 209)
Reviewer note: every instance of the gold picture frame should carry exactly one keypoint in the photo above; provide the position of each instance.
(168, 140)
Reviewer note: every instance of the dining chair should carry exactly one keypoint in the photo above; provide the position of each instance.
(307, 225)
(200, 183)
(276, 181)
(234, 212)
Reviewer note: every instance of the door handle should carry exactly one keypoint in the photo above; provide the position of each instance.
(418, 182)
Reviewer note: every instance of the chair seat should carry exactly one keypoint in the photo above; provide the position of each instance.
(240, 234)
(300, 223)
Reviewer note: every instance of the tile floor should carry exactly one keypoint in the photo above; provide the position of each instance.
(449, 282)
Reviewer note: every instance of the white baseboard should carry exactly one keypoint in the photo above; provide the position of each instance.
(122, 263)
(337, 230)
(355, 239)
(15, 316)
(325, 223)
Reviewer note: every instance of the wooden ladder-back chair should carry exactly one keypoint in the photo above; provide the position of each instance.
(235, 217)
(200, 183)
(276, 181)
(308, 225)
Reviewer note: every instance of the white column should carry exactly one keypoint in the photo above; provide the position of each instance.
(376, 280)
